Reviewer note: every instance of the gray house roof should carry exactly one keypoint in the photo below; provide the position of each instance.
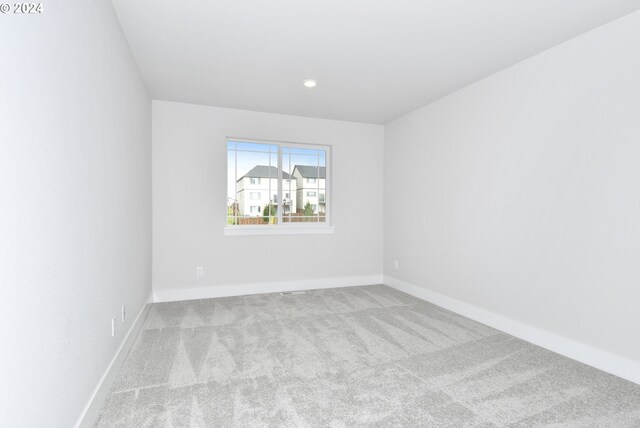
(310, 171)
(264, 171)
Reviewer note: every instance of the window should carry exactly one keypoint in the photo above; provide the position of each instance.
(279, 169)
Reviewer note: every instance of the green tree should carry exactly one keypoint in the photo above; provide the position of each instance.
(270, 212)
(308, 211)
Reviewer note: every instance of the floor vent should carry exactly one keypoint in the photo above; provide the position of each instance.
(287, 293)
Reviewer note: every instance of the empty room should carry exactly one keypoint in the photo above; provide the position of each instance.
(320, 213)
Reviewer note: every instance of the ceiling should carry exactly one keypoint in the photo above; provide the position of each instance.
(374, 60)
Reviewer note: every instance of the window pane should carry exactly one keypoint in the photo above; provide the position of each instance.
(252, 190)
(307, 167)
(252, 147)
(232, 203)
(289, 187)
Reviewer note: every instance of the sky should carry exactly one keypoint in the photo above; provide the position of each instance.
(249, 155)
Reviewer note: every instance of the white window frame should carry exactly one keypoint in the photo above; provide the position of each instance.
(286, 228)
(254, 180)
(251, 194)
(312, 194)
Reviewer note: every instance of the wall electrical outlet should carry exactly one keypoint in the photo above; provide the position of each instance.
(396, 265)
(199, 271)
(113, 327)
(124, 313)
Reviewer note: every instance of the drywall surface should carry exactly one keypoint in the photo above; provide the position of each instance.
(75, 206)
(519, 194)
(190, 196)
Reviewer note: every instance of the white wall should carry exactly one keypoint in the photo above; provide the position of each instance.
(189, 201)
(525, 190)
(75, 206)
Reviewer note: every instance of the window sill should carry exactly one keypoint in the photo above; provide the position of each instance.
(277, 230)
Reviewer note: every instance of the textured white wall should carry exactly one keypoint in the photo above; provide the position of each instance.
(525, 191)
(189, 199)
(75, 206)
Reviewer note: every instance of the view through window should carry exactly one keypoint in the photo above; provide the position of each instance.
(259, 172)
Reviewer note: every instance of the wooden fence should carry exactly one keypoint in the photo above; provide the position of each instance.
(287, 218)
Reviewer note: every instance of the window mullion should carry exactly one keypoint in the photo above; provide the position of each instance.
(318, 185)
(236, 200)
(269, 194)
(280, 205)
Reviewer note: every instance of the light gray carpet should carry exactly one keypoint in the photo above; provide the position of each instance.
(359, 356)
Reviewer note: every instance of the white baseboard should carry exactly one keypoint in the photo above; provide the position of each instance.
(176, 294)
(594, 357)
(90, 414)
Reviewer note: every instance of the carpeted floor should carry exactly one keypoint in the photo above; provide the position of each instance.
(359, 356)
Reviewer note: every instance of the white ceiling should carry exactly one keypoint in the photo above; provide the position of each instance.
(374, 60)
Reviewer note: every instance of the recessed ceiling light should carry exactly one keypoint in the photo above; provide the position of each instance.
(310, 83)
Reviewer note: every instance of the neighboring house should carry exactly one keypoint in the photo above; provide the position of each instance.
(259, 187)
(310, 187)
